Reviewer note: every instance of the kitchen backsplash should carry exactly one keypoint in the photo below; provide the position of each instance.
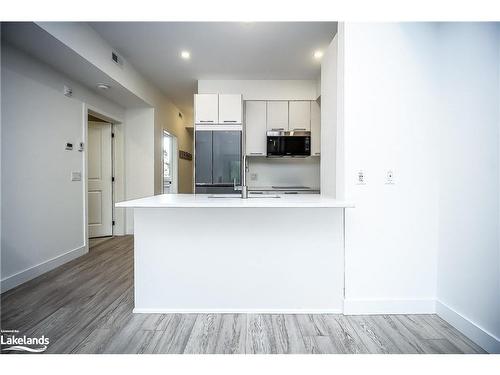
(283, 172)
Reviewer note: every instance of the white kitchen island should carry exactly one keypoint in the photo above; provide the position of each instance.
(196, 253)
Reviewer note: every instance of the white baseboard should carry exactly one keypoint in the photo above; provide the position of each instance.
(393, 306)
(35, 271)
(473, 331)
(139, 310)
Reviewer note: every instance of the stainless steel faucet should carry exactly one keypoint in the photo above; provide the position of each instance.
(243, 187)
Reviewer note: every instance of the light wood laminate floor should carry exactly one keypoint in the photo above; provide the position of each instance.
(85, 306)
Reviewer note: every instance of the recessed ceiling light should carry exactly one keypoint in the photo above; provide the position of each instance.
(185, 55)
(318, 54)
(103, 86)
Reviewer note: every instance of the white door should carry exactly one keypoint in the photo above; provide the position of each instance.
(170, 158)
(230, 109)
(206, 108)
(277, 115)
(300, 115)
(315, 128)
(255, 128)
(100, 197)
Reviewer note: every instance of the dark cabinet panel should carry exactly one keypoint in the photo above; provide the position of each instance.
(226, 157)
(203, 157)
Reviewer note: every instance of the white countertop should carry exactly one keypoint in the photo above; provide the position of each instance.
(205, 200)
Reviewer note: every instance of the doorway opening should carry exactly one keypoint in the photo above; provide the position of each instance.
(170, 163)
(100, 179)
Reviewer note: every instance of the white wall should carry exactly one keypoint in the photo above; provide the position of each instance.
(262, 89)
(427, 107)
(390, 123)
(84, 40)
(329, 87)
(284, 172)
(468, 284)
(42, 210)
(139, 157)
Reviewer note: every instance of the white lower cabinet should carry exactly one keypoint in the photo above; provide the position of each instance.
(255, 128)
(315, 129)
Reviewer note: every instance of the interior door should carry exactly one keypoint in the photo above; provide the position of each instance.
(100, 197)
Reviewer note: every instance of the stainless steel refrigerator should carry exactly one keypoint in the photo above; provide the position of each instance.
(217, 161)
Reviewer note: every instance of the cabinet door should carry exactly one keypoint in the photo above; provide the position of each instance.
(230, 109)
(300, 115)
(206, 108)
(277, 115)
(315, 128)
(255, 127)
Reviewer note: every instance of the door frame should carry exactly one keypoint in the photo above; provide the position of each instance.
(174, 188)
(117, 167)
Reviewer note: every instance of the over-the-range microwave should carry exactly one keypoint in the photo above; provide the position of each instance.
(295, 143)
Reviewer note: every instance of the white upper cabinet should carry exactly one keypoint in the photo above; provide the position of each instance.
(206, 108)
(315, 128)
(255, 128)
(230, 109)
(300, 115)
(277, 115)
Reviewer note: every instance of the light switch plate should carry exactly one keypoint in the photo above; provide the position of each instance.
(361, 178)
(76, 176)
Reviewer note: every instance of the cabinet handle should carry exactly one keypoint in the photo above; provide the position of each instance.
(278, 129)
(316, 153)
(299, 128)
(230, 121)
(206, 121)
(256, 153)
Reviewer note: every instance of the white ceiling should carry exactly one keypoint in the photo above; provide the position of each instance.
(219, 50)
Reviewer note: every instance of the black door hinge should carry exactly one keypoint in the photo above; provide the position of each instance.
(113, 223)
(113, 179)
(112, 135)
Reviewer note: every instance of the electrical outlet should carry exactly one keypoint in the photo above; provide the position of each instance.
(389, 177)
(254, 176)
(361, 178)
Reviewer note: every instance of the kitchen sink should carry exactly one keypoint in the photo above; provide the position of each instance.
(250, 196)
(264, 196)
(225, 196)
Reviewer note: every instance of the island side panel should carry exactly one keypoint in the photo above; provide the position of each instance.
(238, 260)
